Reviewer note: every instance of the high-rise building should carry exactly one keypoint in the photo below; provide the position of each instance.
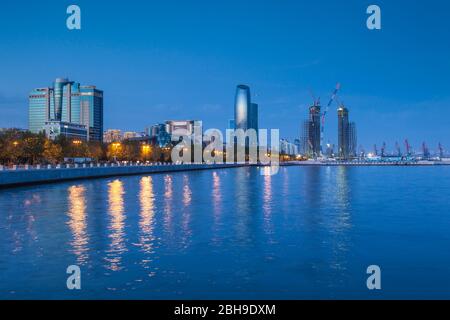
(314, 133)
(91, 111)
(310, 137)
(39, 110)
(242, 107)
(343, 134)
(304, 138)
(245, 112)
(67, 102)
(288, 148)
(353, 140)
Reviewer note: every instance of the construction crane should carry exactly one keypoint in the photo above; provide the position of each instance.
(397, 148)
(316, 101)
(441, 151)
(383, 150)
(408, 148)
(324, 114)
(425, 151)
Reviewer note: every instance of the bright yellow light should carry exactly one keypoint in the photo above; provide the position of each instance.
(146, 149)
(116, 145)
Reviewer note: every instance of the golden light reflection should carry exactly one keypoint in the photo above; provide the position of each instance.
(187, 193)
(147, 201)
(267, 203)
(30, 206)
(217, 195)
(168, 199)
(77, 223)
(217, 206)
(117, 225)
(187, 200)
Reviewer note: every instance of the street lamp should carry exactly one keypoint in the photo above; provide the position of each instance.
(116, 146)
(146, 150)
(77, 142)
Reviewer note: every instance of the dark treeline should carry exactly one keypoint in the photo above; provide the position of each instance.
(24, 147)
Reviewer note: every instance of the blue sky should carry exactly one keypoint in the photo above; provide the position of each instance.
(159, 60)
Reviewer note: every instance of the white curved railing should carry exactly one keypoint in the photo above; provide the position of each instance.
(94, 165)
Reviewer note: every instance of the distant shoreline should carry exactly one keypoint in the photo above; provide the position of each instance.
(368, 164)
(33, 176)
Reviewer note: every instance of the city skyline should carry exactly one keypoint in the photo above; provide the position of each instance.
(173, 73)
(250, 153)
(56, 112)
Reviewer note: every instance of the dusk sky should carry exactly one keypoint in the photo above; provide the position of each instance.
(160, 60)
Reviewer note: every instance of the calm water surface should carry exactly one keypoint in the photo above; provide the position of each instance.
(304, 233)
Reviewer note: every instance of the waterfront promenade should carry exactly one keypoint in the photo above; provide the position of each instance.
(25, 175)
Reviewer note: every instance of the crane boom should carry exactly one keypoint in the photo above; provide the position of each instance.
(324, 114)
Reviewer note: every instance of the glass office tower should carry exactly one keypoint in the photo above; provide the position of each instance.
(39, 109)
(68, 102)
(91, 111)
(242, 107)
(245, 112)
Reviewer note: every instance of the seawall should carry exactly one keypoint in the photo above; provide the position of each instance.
(28, 176)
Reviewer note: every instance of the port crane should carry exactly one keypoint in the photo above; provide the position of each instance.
(441, 151)
(383, 150)
(426, 151)
(408, 148)
(399, 151)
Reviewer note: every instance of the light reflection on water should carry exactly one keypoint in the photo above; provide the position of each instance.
(77, 223)
(116, 226)
(186, 212)
(147, 220)
(304, 233)
(168, 203)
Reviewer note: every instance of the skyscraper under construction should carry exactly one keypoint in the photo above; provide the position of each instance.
(310, 137)
(347, 138)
